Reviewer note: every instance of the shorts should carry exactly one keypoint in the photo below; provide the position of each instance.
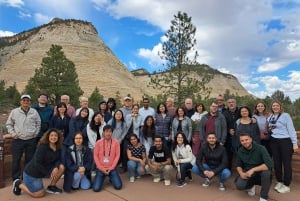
(32, 183)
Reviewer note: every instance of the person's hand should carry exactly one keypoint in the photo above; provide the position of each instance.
(54, 173)
(249, 173)
(243, 175)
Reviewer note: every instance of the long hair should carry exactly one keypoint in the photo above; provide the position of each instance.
(277, 101)
(93, 125)
(256, 111)
(200, 104)
(45, 138)
(114, 122)
(59, 105)
(247, 108)
(112, 100)
(147, 129)
(185, 141)
(79, 114)
(180, 107)
(158, 106)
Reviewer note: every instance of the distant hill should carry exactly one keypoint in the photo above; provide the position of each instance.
(95, 63)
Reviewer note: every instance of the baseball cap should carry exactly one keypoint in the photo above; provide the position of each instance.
(127, 98)
(25, 96)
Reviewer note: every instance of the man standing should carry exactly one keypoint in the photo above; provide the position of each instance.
(106, 157)
(220, 102)
(215, 158)
(127, 106)
(159, 161)
(254, 167)
(188, 107)
(231, 114)
(170, 107)
(146, 110)
(45, 111)
(213, 122)
(84, 102)
(23, 124)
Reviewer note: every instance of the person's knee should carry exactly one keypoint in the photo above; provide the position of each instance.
(118, 186)
(39, 194)
(240, 184)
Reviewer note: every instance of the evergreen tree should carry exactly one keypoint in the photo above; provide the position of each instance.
(183, 76)
(95, 98)
(56, 76)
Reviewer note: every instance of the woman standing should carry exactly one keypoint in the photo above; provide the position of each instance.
(163, 122)
(197, 116)
(148, 133)
(261, 117)
(79, 161)
(119, 133)
(102, 108)
(283, 143)
(183, 158)
(182, 123)
(94, 129)
(111, 106)
(61, 120)
(245, 124)
(136, 153)
(45, 163)
(134, 121)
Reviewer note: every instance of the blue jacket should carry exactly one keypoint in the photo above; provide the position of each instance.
(45, 115)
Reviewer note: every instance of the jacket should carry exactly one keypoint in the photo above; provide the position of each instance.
(23, 126)
(186, 153)
(215, 158)
(220, 128)
(45, 114)
(72, 167)
(186, 127)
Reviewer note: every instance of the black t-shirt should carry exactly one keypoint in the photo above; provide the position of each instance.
(159, 155)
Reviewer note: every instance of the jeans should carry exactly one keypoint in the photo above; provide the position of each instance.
(184, 168)
(134, 167)
(81, 181)
(223, 176)
(163, 171)
(262, 178)
(18, 147)
(114, 178)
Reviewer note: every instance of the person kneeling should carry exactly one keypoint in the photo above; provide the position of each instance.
(45, 163)
(254, 167)
(106, 157)
(216, 162)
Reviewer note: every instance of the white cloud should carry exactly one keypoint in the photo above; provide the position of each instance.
(132, 65)
(24, 15)
(13, 3)
(6, 33)
(42, 19)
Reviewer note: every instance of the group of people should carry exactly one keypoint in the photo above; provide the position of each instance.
(86, 146)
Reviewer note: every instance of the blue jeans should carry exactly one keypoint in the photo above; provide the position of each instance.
(114, 178)
(81, 181)
(184, 168)
(223, 176)
(33, 184)
(134, 167)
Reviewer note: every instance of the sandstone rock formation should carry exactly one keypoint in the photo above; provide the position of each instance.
(95, 63)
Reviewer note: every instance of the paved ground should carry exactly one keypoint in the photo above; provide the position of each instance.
(145, 190)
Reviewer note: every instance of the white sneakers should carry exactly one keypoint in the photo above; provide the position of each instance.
(156, 179)
(131, 179)
(167, 182)
(262, 199)
(281, 188)
(251, 191)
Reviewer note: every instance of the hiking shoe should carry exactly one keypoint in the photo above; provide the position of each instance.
(16, 189)
(189, 175)
(251, 191)
(284, 189)
(278, 186)
(222, 187)
(131, 179)
(53, 190)
(156, 179)
(206, 182)
(262, 199)
(167, 182)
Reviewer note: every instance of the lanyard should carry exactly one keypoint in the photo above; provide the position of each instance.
(109, 147)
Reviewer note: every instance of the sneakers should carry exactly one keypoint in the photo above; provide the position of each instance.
(53, 190)
(181, 184)
(222, 187)
(167, 182)
(206, 182)
(251, 191)
(284, 189)
(156, 179)
(131, 179)
(262, 199)
(278, 186)
(16, 189)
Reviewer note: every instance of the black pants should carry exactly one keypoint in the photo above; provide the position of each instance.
(282, 151)
(18, 148)
(259, 178)
(123, 155)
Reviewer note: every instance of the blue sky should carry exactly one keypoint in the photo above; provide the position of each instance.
(257, 41)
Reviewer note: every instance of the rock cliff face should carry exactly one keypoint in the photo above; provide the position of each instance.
(95, 63)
